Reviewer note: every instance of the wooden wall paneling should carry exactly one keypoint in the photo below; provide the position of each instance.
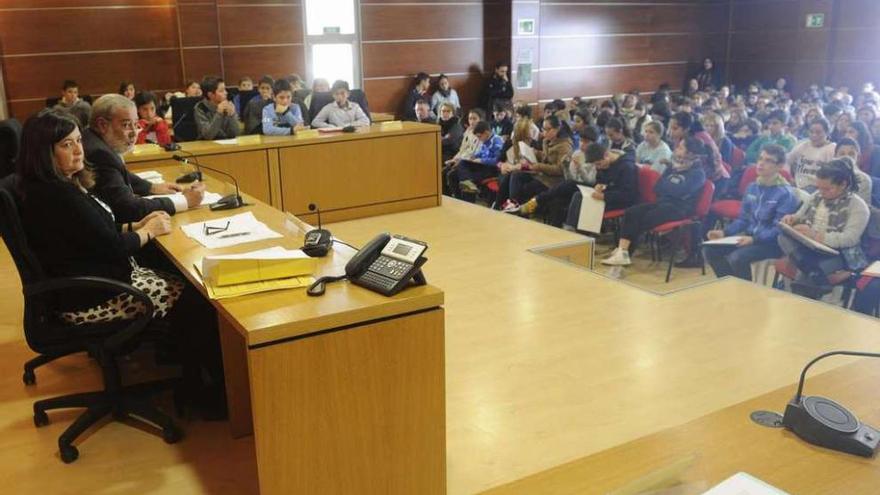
(201, 62)
(44, 4)
(199, 25)
(434, 57)
(858, 14)
(22, 109)
(424, 21)
(256, 61)
(857, 44)
(601, 50)
(607, 80)
(246, 24)
(592, 18)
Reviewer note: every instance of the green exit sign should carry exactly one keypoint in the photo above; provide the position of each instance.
(815, 20)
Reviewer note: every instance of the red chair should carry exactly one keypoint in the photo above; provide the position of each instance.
(737, 158)
(728, 209)
(490, 189)
(677, 227)
(648, 177)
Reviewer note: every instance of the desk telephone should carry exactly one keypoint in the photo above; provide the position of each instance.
(387, 265)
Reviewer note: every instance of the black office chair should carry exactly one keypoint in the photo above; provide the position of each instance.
(50, 336)
(358, 96)
(10, 142)
(244, 97)
(231, 91)
(319, 101)
(299, 97)
(184, 118)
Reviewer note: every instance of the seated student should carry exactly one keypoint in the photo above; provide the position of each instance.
(193, 88)
(808, 156)
(111, 134)
(444, 94)
(419, 91)
(422, 113)
(501, 123)
(127, 90)
(482, 165)
(215, 115)
(776, 125)
(618, 135)
(283, 117)
(683, 124)
(869, 158)
(524, 112)
(653, 150)
(451, 131)
(527, 179)
(864, 182)
(746, 134)
(841, 124)
(513, 156)
(638, 127)
(319, 85)
(154, 129)
(616, 183)
(678, 191)
(470, 143)
(714, 126)
(253, 111)
(74, 234)
(834, 216)
(764, 204)
(71, 101)
(342, 112)
(244, 84)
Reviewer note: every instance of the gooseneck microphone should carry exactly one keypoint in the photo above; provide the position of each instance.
(318, 241)
(173, 146)
(826, 423)
(229, 202)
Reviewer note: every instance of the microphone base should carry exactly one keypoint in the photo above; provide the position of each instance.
(230, 202)
(188, 178)
(318, 243)
(825, 423)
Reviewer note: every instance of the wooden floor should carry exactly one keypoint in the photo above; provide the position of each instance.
(532, 343)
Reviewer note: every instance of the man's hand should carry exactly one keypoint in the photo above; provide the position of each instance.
(714, 234)
(226, 107)
(745, 240)
(195, 194)
(165, 188)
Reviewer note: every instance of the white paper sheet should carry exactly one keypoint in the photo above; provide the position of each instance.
(592, 210)
(243, 228)
(151, 176)
(527, 152)
(226, 141)
(209, 198)
(724, 241)
(744, 484)
(806, 241)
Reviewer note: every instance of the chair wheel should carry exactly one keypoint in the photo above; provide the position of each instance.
(68, 454)
(29, 377)
(172, 434)
(41, 419)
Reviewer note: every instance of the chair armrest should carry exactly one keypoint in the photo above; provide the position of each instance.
(114, 342)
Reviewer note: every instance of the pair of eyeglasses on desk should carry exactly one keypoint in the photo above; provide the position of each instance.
(212, 229)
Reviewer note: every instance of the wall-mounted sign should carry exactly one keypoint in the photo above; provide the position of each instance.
(815, 20)
(525, 27)
(332, 30)
(524, 69)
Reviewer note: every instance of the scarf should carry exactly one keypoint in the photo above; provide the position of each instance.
(447, 125)
(838, 211)
(445, 93)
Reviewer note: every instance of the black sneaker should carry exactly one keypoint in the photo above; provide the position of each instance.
(809, 290)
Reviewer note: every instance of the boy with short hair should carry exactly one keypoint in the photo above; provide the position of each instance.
(244, 84)
(71, 101)
(776, 122)
(154, 129)
(253, 111)
(341, 112)
(502, 124)
(482, 165)
(283, 117)
(215, 115)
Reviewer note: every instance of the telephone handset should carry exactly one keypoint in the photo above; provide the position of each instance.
(388, 264)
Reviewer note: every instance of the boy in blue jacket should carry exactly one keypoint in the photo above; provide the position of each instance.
(283, 117)
(764, 204)
(481, 166)
(678, 191)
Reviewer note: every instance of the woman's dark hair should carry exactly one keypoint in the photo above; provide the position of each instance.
(838, 171)
(422, 76)
(754, 125)
(480, 113)
(590, 133)
(847, 142)
(618, 124)
(684, 120)
(124, 86)
(700, 152)
(821, 121)
(553, 121)
(36, 162)
(143, 98)
(866, 141)
(524, 111)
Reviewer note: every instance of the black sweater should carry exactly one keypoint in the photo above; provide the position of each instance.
(116, 186)
(71, 235)
(621, 181)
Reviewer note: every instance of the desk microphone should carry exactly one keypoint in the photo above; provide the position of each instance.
(825, 423)
(229, 202)
(318, 241)
(173, 146)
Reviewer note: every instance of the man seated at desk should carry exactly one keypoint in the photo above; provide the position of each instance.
(341, 113)
(112, 132)
(215, 115)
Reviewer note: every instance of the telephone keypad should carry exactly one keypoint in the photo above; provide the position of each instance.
(389, 267)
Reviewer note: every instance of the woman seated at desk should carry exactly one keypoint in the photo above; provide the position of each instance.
(73, 234)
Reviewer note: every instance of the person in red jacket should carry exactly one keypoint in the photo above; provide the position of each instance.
(153, 128)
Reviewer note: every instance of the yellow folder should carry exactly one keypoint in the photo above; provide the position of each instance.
(256, 266)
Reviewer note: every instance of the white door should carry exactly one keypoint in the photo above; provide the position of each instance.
(332, 41)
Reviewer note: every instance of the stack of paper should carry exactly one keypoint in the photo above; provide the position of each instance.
(209, 198)
(255, 266)
(724, 241)
(527, 152)
(229, 231)
(592, 211)
(151, 176)
(873, 270)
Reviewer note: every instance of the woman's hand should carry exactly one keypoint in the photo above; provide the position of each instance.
(143, 221)
(714, 234)
(805, 230)
(788, 219)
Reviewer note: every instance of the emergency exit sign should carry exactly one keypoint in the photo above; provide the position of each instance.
(815, 20)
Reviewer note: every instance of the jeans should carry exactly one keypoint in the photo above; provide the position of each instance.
(641, 218)
(475, 172)
(867, 299)
(811, 263)
(737, 261)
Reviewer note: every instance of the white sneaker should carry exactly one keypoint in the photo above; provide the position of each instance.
(619, 257)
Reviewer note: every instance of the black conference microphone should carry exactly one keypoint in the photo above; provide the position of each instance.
(192, 176)
(318, 241)
(826, 423)
(173, 146)
(229, 202)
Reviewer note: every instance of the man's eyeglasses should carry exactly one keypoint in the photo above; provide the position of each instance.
(211, 229)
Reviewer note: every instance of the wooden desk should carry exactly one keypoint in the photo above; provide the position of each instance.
(346, 391)
(549, 362)
(369, 172)
(379, 117)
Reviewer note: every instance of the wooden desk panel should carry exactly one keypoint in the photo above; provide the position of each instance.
(359, 173)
